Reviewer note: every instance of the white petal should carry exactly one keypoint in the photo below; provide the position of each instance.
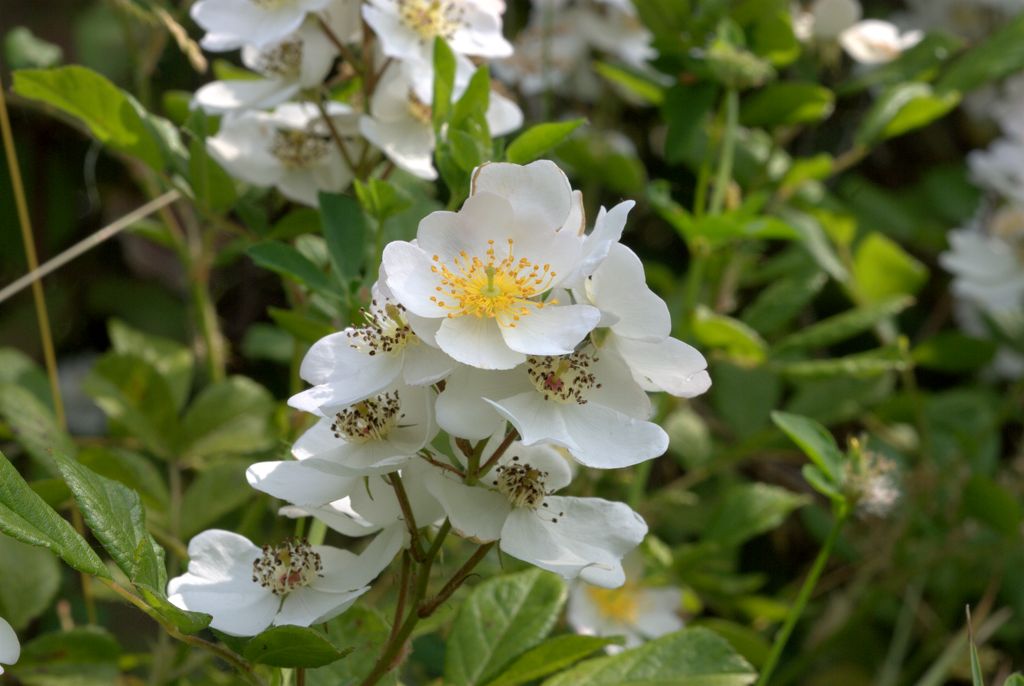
(355, 571)
(216, 555)
(338, 516)
(474, 512)
(478, 342)
(424, 364)
(549, 330)
(669, 365)
(299, 483)
(539, 192)
(460, 408)
(544, 458)
(410, 278)
(307, 606)
(218, 97)
(10, 648)
(585, 537)
(503, 115)
(619, 286)
(408, 143)
(536, 419)
(235, 611)
(603, 438)
(483, 218)
(618, 389)
(657, 609)
(607, 232)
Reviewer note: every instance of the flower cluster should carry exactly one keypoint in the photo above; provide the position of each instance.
(282, 126)
(530, 342)
(828, 23)
(986, 257)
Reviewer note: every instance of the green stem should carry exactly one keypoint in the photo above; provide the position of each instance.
(800, 604)
(724, 176)
(638, 485)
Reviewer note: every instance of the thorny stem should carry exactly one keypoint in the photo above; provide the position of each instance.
(498, 452)
(800, 604)
(223, 652)
(410, 521)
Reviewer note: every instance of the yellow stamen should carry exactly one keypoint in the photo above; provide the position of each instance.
(618, 604)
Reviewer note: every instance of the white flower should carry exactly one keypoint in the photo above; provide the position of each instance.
(987, 263)
(619, 32)
(230, 24)
(1008, 109)
(289, 148)
(10, 648)
(1000, 168)
(354, 506)
(300, 61)
(550, 54)
(874, 41)
(484, 270)
(247, 589)
(637, 612)
(826, 19)
(392, 347)
(586, 402)
(407, 28)
(375, 435)
(400, 116)
(573, 537)
(639, 324)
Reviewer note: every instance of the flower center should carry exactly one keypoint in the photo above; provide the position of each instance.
(521, 484)
(281, 61)
(491, 287)
(292, 564)
(563, 379)
(299, 149)
(431, 18)
(385, 331)
(619, 604)
(368, 420)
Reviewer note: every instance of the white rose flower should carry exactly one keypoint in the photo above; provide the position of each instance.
(484, 271)
(375, 435)
(582, 538)
(247, 589)
(300, 61)
(550, 53)
(586, 402)
(987, 263)
(1000, 168)
(392, 347)
(290, 148)
(400, 118)
(230, 24)
(634, 611)
(407, 28)
(10, 648)
(874, 41)
(619, 32)
(354, 506)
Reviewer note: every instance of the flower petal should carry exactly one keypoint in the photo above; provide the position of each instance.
(410, 278)
(474, 512)
(10, 647)
(619, 286)
(349, 572)
(549, 330)
(299, 483)
(669, 365)
(307, 606)
(603, 438)
(478, 342)
(539, 192)
(535, 419)
(459, 409)
(424, 364)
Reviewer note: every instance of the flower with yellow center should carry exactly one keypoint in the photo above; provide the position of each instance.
(633, 610)
(488, 271)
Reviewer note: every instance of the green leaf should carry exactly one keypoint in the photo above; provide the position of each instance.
(778, 304)
(821, 483)
(117, 519)
(85, 656)
(299, 324)
(639, 86)
(739, 341)
(171, 359)
(380, 199)
(903, 108)
(952, 351)
(89, 97)
(444, 81)
(918, 63)
(26, 50)
(685, 110)
(774, 39)
(691, 657)
(24, 516)
(501, 618)
(34, 425)
(131, 469)
(859, 365)
(844, 326)
(815, 441)
(748, 510)
(345, 232)
(1015, 679)
(134, 395)
(1002, 54)
(216, 491)
(537, 140)
(161, 609)
(475, 100)
(31, 579)
(976, 677)
(992, 504)
(815, 241)
(749, 643)
(285, 260)
(292, 646)
(882, 269)
(229, 417)
(786, 103)
(364, 630)
(744, 396)
(553, 655)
